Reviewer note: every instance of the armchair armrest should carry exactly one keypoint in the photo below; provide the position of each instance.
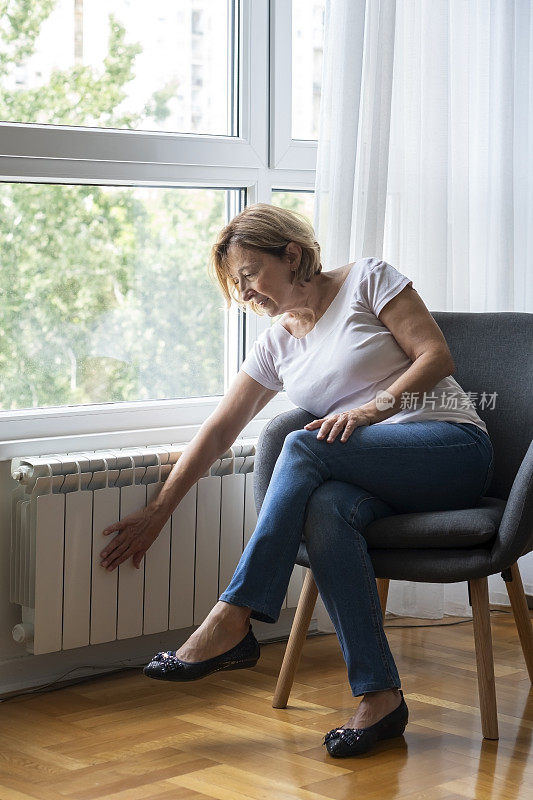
(515, 535)
(269, 448)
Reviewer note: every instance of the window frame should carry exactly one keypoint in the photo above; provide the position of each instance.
(31, 153)
(285, 152)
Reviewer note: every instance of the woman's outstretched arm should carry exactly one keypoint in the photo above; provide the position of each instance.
(136, 532)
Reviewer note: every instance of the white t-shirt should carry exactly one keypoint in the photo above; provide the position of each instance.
(350, 355)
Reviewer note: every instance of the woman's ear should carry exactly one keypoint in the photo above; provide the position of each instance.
(294, 252)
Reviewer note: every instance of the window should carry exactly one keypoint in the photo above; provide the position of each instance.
(307, 46)
(296, 49)
(113, 186)
(300, 201)
(100, 285)
(197, 75)
(116, 64)
(197, 24)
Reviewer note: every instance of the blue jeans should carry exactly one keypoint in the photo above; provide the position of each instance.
(328, 492)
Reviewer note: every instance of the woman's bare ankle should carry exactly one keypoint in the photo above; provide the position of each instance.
(382, 701)
(383, 693)
(232, 615)
(373, 707)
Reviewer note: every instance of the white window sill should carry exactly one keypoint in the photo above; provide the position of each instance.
(34, 432)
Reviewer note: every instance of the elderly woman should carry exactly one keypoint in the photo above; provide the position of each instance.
(348, 345)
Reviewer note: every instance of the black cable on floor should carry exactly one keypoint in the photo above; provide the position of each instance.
(52, 686)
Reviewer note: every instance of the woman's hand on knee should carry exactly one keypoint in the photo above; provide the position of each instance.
(346, 421)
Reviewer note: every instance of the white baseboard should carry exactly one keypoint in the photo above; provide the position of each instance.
(29, 672)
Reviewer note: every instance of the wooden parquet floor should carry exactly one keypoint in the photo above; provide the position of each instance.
(125, 737)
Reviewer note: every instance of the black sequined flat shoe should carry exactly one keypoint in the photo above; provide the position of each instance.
(166, 667)
(342, 742)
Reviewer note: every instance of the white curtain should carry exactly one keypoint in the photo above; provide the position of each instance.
(425, 159)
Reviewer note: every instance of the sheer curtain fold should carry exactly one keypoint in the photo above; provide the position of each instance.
(425, 159)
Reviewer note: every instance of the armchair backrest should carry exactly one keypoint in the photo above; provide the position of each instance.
(493, 354)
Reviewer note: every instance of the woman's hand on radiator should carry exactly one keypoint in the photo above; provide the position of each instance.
(135, 534)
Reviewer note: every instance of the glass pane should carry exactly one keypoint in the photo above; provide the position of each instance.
(300, 201)
(160, 66)
(106, 295)
(307, 46)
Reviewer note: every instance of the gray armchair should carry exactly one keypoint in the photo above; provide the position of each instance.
(493, 352)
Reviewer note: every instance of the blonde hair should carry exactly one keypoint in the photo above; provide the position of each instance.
(268, 229)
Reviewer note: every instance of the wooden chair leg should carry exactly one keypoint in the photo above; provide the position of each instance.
(293, 651)
(479, 595)
(383, 593)
(515, 590)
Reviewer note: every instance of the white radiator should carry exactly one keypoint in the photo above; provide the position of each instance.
(59, 511)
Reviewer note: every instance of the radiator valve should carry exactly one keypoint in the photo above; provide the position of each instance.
(21, 473)
(23, 632)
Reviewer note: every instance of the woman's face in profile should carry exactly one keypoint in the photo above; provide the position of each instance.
(265, 280)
